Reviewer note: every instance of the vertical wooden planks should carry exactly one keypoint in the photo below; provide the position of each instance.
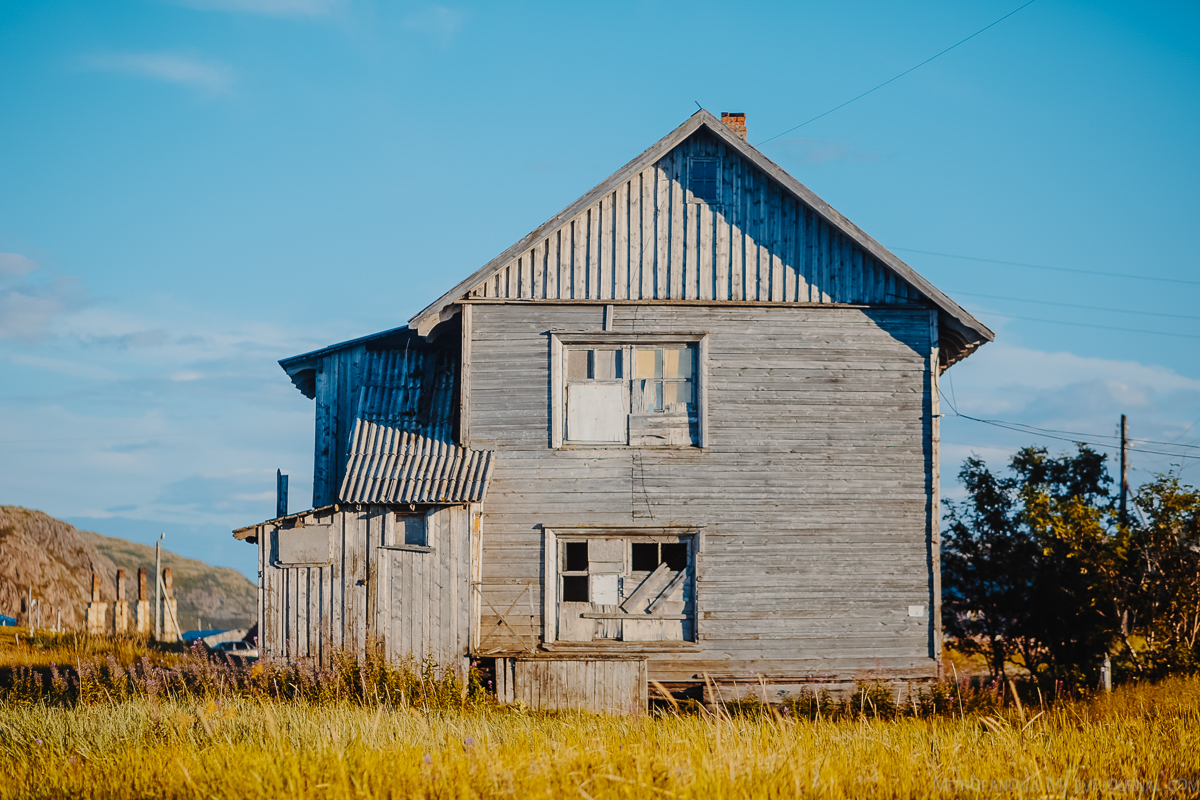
(788, 248)
(706, 220)
(662, 216)
(737, 234)
(577, 255)
(652, 233)
(621, 243)
(606, 248)
(637, 261)
(676, 237)
(774, 239)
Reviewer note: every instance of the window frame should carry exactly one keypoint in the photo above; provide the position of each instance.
(560, 341)
(552, 575)
(691, 196)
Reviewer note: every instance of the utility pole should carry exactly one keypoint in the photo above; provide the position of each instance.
(158, 586)
(1124, 517)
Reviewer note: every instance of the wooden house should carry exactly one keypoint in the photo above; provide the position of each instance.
(685, 431)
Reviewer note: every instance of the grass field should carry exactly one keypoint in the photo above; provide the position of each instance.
(1141, 741)
(135, 722)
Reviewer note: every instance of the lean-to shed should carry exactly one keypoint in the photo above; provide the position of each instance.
(685, 431)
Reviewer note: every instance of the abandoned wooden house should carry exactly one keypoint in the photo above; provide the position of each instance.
(686, 431)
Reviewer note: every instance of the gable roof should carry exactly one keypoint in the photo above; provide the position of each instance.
(961, 332)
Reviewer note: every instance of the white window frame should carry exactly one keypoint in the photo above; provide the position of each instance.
(552, 572)
(558, 373)
(691, 197)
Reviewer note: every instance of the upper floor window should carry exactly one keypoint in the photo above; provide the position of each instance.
(704, 180)
(642, 394)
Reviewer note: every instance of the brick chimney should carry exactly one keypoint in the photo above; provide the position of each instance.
(736, 120)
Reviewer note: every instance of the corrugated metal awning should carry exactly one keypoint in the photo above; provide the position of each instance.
(388, 465)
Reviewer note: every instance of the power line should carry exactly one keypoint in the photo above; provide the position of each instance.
(1080, 439)
(1075, 305)
(1076, 434)
(1100, 327)
(898, 77)
(1048, 267)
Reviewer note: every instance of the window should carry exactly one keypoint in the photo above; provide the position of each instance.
(621, 586)
(641, 394)
(410, 529)
(704, 180)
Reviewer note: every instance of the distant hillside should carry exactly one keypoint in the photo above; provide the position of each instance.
(220, 597)
(57, 560)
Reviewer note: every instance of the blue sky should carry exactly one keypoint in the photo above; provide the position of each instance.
(192, 190)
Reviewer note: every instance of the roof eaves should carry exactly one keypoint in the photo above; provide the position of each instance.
(293, 362)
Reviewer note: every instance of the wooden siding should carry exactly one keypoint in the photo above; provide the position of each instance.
(425, 593)
(645, 241)
(598, 684)
(415, 599)
(813, 492)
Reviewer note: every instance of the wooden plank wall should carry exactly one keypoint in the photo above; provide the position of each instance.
(420, 602)
(813, 496)
(597, 684)
(645, 241)
(425, 601)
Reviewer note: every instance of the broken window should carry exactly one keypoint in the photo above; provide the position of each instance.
(632, 588)
(704, 180)
(640, 395)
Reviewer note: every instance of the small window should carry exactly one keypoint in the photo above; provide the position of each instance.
(410, 529)
(575, 572)
(704, 180)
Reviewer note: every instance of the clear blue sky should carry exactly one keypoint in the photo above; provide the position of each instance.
(192, 190)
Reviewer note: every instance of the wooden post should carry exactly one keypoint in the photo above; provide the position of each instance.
(1124, 517)
(281, 494)
(158, 586)
(142, 610)
(1106, 672)
(121, 607)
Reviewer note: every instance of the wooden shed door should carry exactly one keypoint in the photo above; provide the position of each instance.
(423, 593)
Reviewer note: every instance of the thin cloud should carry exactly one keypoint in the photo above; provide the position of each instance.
(16, 265)
(269, 8)
(211, 77)
(437, 22)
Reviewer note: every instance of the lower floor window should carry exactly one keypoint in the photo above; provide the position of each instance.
(631, 587)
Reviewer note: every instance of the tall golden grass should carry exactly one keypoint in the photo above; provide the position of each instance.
(1142, 741)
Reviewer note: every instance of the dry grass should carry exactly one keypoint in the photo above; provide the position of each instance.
(20, 648)
(1142, 741)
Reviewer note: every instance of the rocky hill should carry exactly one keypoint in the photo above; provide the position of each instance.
(57, 560)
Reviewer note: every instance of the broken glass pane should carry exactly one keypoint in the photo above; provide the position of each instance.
(645, 557)
(576, 557)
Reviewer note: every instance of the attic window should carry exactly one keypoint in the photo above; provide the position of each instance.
(704, 180)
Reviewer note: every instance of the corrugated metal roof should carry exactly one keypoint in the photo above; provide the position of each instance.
(389, 465)
(411, 390)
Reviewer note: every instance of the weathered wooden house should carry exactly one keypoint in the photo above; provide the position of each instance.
(687, 431)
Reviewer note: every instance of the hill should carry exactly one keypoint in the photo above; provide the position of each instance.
(209, 597)
(57, 559)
